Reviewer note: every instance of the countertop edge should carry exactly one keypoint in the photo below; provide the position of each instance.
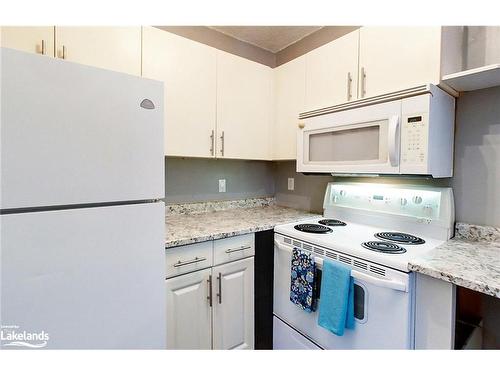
(457, 280)
(216, 236)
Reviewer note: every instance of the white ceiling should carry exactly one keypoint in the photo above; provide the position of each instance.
(270, 38)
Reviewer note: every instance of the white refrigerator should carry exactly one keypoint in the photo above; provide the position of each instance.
(82, 225)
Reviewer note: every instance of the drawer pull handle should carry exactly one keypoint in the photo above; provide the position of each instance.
(229, 251)
(195, 260)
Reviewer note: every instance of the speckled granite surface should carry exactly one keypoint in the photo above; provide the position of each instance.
(184, 229)
(470, 260)
(191, 208)
(473, 232)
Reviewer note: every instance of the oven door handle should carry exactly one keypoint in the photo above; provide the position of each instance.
(385, 283)
(393, 140)
(378, 281)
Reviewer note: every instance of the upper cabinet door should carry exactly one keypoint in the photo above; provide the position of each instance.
(233, 301)
(29, 39)
(331, 72)
(113, 48)
(395, 58)
(290, 93)
(189, 313)
(244, 108)
(188, 70)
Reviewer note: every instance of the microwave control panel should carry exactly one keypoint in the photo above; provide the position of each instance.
(414, 139)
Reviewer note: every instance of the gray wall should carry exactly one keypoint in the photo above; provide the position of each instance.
(196, 180)
(476, 181)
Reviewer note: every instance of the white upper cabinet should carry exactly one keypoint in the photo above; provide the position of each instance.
(244, 108)
(233, 314)
(113, 48)
(188, 70)
(29, 39)
(332, 72)
(290, 91)
(395, 58)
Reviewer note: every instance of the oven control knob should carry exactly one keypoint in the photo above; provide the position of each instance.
(403, 201)
(343, 193)
(417, 199)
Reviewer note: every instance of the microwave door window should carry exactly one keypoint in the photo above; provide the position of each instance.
(348, 145)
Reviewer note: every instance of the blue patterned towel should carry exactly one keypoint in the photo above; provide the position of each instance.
(303, 271)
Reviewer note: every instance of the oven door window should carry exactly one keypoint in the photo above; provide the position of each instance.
(351, 144)
(360, 299)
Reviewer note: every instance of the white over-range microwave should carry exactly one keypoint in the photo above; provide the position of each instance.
(409, 132)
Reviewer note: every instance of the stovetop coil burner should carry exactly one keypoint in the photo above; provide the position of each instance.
(332, 222)
(399, 237)
(312, 228)
(384, 247)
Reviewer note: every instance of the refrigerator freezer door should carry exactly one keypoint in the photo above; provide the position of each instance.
(90, 278)
(75, 134)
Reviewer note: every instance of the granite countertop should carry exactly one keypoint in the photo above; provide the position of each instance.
(192, 223)
(470, 260)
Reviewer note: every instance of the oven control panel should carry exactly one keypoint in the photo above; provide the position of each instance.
(414, 139)
(421, 202)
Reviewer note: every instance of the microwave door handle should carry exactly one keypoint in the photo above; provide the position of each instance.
(393, 140)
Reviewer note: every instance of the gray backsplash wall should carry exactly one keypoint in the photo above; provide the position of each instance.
(476, 180)
(196, 180)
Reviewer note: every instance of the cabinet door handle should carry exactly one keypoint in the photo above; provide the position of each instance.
(195, 260)
(363, 82)
(241, 248)
(43, 47)
(209, 285)
(219, 295)
(63, 55)
(222, 144)
(349, 84)
(212, 139)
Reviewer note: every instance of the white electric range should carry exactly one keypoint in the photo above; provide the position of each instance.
(375, 229)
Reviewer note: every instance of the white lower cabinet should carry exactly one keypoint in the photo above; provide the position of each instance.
(189, 315)
(212, 308)
(233, 313)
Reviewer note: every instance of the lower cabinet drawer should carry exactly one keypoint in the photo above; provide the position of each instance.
(234, 248)
(189, 258)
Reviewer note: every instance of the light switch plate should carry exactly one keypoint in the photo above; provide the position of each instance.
(291, 183)
(222, 186)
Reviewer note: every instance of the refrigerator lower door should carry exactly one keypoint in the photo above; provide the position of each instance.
(89, 278)
(73, 134)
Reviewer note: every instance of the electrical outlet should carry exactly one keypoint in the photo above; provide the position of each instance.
(222, 186)
(291, 183)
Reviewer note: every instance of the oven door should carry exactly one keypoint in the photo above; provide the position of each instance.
(362, 140)
(383, 318)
